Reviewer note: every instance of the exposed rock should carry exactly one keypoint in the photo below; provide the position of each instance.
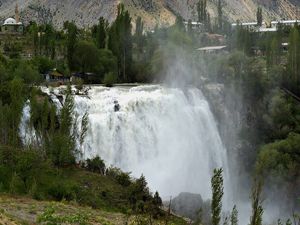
(86, 13)
(188, 205)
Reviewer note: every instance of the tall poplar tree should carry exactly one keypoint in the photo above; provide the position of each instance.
(99, 33)
(234, 216)
(259, 16)
(220, 16)
(257, 210)
(72, 38)
(217, 194)
(120, 43)
(273, 52)
(138, 36)
(203, 15)
(294, 59)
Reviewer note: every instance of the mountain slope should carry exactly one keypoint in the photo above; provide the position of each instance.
(161, 12)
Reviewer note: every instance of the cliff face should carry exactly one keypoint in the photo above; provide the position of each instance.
(244, 10)
(86, 13)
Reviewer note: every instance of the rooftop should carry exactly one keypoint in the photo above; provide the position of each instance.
(193, 23)
(212, 48)
(11, 21)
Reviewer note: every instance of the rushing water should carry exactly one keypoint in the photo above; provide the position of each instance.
(167, 134)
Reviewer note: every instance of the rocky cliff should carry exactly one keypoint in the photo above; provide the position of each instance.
(161, 12)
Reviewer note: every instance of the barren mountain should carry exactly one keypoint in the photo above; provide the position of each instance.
(87, 12)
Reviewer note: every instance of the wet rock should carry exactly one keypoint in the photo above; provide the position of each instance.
(117, 106)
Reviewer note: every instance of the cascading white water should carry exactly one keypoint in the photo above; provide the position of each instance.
(168, 134)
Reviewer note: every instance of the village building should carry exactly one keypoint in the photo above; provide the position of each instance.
(266, 27)
(291, 23)
(213, 49)
(55, 76)
(195, 26)
(13, 25)
(248, 25)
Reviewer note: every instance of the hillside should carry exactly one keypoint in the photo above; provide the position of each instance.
(77, 197)
(23, 210)
(86, 13)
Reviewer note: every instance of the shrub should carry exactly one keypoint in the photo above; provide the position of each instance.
(96, 165)
(121, 177)
(16, 186)
(60, 191)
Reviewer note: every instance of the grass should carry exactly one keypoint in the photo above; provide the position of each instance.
(90, 189)
(74, 196)
(16, 210)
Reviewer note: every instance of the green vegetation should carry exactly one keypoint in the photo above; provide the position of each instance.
(217, 194)
(259, 16)
(257, 209)
(234, 216)
(23, 210)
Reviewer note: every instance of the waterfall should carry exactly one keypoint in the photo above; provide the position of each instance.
(167, 134)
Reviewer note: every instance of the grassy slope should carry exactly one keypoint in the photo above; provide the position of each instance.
(23, 210)
(98, 197)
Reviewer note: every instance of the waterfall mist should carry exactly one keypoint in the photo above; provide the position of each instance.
(167, 134)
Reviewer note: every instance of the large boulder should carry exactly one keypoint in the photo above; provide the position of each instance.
(189, 205)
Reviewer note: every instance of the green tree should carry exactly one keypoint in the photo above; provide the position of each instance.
(33, 33)
(294, 60)
(48, 40)
(190, 27)
(203, 15)
(220, 16)
(16, 91)
(27, 73)
(257, 210)
(217, 194)
(273, 52)
(120, 43)
(139, 37)
(179, 24)
(107, 63)
(86, 56)
(259, 16)
(96, 165)
(72, 39)
(157, 200)
(44, 64)
(202, 11)
(244, 40)
(234, 216)
(61, 145)
(99, 32)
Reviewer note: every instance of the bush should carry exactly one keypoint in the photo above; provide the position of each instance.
(16, 186)
(60, 191)
(121, 177)
(96, 165)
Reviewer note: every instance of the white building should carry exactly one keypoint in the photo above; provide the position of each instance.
(272, 27)
(13, 25)
(196, 26)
